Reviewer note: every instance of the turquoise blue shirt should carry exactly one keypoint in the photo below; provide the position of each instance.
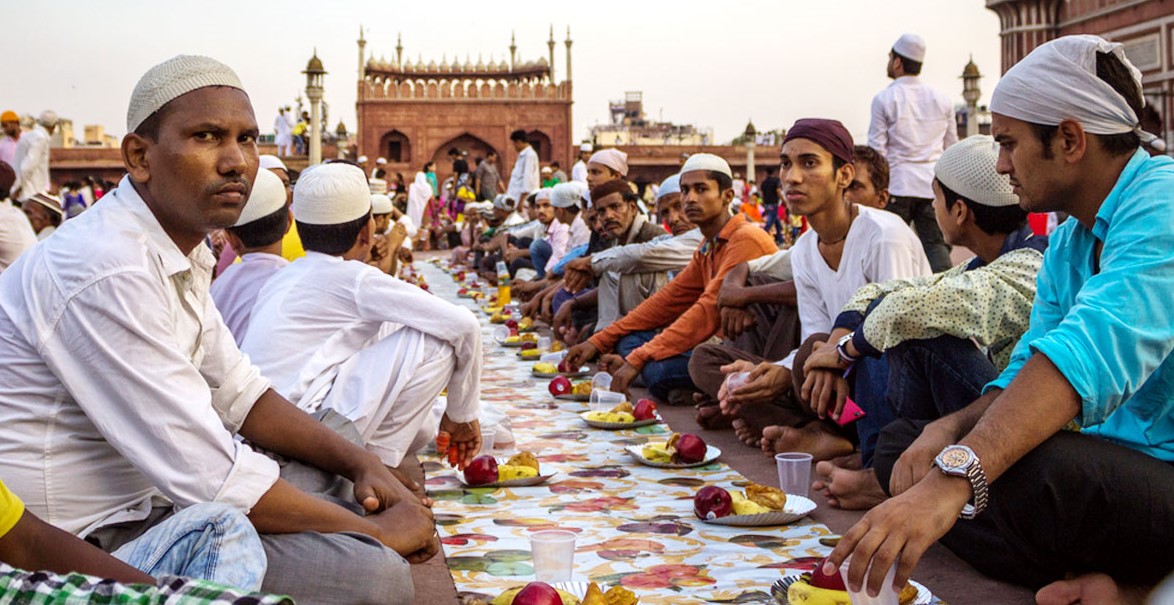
(1111, 331)
(561, 266)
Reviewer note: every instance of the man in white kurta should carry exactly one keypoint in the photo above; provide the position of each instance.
(525, 178)
(32, 158)
(332, 332)
(283, 131)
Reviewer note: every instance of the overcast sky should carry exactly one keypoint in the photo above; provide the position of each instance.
(713, 64)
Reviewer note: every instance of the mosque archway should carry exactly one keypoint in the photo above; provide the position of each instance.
(541, 144)
(474, 145)
(395, 146)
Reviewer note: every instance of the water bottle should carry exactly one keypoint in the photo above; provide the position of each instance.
(503, 284)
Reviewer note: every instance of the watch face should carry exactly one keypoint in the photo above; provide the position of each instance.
(955, 457)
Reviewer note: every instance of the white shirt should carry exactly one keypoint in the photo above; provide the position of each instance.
(776, 266)
(7, 150)
(281, 125)
(579, 172)
(879, 247)
(911, 125)
(525, 176)
(235, 291)
(315, 314)
(665, 253)
(580, 232)
(46, 232)
(32, 163)
(16, 234)
(118, 380)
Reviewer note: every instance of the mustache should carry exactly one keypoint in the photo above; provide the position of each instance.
(237, 183)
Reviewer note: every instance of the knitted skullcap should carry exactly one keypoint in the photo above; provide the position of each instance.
(331, 194)
(172, 79)
(612, 158)
(669, 186)
(968, 169)
(272, 162)
(707, 162)
(267, 197)
(380, 204)
(565, 195)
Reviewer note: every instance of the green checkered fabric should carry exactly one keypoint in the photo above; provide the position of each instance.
(43, 588)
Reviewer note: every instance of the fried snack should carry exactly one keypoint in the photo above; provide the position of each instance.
(742, 506)
(618, 595)
(524, 459)
(582, 388)
(624, 407)
(765, 495)
(907, 594)
(594, 595)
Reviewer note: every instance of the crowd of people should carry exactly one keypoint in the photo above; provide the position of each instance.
(210, 380)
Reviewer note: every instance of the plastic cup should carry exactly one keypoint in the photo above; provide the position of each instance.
(500, 333)
(487, 434)
(553, 552)
(543, 343)
(794, 473)
(553, 357)
(602, 401)
(601, 382)
(886, 597)
(736, 381)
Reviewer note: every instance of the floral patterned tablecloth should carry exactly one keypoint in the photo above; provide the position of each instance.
(634, 524)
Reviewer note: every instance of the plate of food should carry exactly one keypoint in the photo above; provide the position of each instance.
(569, 593)
(814, 587)
(545, 369)
(564, 388)
(518, 341)
(623, 416)
(519, 470)
(680, 451)
(757, 506)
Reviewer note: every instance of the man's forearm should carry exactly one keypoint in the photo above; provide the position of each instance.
(962, 422)
(278, 426)
(285, 509)
(34, 545)
(771, 294)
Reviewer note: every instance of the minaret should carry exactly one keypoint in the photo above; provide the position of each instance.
(568, 53)
(362, 53)
(399, 51)
(550, 45)
(513, 50)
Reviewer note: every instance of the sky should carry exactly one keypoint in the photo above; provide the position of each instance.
(715, 65)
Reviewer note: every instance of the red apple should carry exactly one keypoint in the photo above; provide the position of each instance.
(507, 312)
(511, 324)
(481, 471)
(560, 385)
(513, 330)
(712, 500)
(645, 410)
(691, 448)
(538, 593)
(529, 345)
(565, 366)
(832, 582)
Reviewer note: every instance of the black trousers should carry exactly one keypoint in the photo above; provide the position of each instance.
(1075, 504)
(919, 211)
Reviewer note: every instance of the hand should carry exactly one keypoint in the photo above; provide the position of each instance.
(917, 460)
(581, 354)
(731, 296)
(732, 368)
(903, 527)
(218, 238)
(378, 488)
(546, 307)
(735, 321)
(576, 281)
(380, 248)
(510, 255)
(767, 383)
(825, 356)
(826, 391)
(611, 363)
(465, 436)
(530, 309)
(408, 529)
(622, 377)
(564, 319)
(583, 264)
(405, 254)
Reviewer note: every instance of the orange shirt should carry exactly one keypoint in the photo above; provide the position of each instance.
(687, 306)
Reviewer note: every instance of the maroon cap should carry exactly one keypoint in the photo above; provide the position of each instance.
(829, 134)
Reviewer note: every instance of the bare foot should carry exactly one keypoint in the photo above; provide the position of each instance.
(847, 488)
(746, 433)
(711, 417)
(812, 439)
(1091, 589)
(850, 462)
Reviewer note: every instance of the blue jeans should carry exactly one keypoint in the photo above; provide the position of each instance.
(869, 383)
(659, 376)
(540, 253)
(773, 223)
(209, 541)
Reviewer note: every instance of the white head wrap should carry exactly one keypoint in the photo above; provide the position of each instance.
(504, 202)
(48, 118)
(380, 161)
(585, 147)
(361, 159)
(272, 162)
(174, 78)
(910, 46)
(968, 169)
(331, 194)
(380, 204)
(1058, 81)
(612, 158)
(267, 196)
(707, 161)
(668, 186)
(565, 195)
(542, 194)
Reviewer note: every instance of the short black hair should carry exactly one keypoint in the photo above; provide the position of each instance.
(453, 151)
(878, 166)
(331, 239)
(518, 135)
(1113, 72)
(149, 128)
(268, 229)
(993, 220)
(554, 165)
(724, 181)
(909, 66)
(426, 165)
(490, 153)
(770, 170)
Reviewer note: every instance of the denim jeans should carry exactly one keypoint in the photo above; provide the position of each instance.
(208, 541)
(540, 253)
(919, 211)
(659, 376)
(869, 383)
(773, 222)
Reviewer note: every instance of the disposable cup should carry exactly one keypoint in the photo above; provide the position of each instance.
(543, 343)
(553, 357)
(487, 434)
(736, 381)
(602, 401)
(886, 597)
(601, 382)
(794, 472)
(553, 552)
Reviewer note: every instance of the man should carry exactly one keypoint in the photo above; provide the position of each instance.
(16, 234)
(1097, 352)
(460, 167)
(870, 186)
(334, 333)
(256, 237)
(110, 326)
(579, 170)
(524, 177)
(771, 186)
(606, 165)
(684, 311)
(380, 170)
(927, 328)
(283, 133)
(545, 252)
(45, 213)
(911, 124)
(548, 180)
(567, 200)
(558, 174)
(393, 233)
(10, 123)
(32, 158)
(291, 244)
(486, 179)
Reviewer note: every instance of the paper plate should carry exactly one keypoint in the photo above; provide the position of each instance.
(711, 454)
(582, 372)
(527, 482)
(780, 587)
(573, 397)
(616, 426)
(797, 508)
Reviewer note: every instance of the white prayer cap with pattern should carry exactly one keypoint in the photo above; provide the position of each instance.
(331, 194)
(172, 79)
(267, 196)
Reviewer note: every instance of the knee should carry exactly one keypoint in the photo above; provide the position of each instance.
(387, 576)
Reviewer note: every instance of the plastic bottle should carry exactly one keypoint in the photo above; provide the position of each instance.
(503, 284)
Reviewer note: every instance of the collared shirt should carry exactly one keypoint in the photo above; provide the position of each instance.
(525, 177)
(580, 232)
(318, 312)
(16, 234)
(579, 172)
(1109, 329)
(118, 380)
(533, 230)
(558, 236)
(777, 266)
(911, 125)
(687, 306)
(235, 291)
(32, 163)
(987, 303)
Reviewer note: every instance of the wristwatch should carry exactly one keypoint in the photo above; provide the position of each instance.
(961, 461)
(842, 349)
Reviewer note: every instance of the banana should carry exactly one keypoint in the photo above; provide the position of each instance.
(802, 593)
(509, 472)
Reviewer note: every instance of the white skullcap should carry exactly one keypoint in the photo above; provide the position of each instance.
(49, 201)
(542, 194)
(1058, 81)
(612, 158)
(378, 186)
(380, 161)
(380, 204)
(910, 46)
(707, 162)
(267, 196)
(331, 194)
(968, 169)
(504, 202)
(565, 195)
(362, 159)
(48, 118)
(585, 147)
(272, 162)
(547, 169)
(670, 185)
(174, 78)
